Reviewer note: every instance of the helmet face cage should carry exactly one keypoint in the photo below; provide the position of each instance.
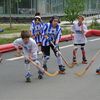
(37, 19)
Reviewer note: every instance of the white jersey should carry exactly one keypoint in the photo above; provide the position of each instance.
(79, 37)
(29, 48)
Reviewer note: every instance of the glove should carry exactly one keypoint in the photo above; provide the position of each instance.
(48, 39)
(56, 46)
(58, 53)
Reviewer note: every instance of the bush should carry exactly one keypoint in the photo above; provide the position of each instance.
(94, 24)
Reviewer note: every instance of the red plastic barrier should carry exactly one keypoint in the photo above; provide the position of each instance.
(10, 47)
(89, 33)
(6, 47)
(96, 32)
(65, 38)
(93, 33)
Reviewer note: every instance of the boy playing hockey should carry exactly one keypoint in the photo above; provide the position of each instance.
(79, 29)
(52, 33)
(29, 48)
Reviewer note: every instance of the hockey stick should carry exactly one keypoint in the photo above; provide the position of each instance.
(69, 65)
(42, 69)
(83, 71)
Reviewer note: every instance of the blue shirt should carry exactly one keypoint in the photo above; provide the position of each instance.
(53, 34)
(36, 30)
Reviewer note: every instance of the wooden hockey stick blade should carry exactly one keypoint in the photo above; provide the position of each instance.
(42, 69)
(51, 75)
(82, 72)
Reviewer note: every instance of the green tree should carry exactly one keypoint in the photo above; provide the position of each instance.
(73, 8)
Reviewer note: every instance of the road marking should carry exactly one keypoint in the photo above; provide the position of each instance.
(92, 40)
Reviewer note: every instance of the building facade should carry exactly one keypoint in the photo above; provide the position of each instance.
(45, 7)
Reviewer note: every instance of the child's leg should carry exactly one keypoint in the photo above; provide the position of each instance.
(46, 55)
(74, 53)
(39, 71)
(27, 69)
(83, 55)
(59, 61)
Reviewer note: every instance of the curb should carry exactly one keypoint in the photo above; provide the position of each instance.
(9, 47)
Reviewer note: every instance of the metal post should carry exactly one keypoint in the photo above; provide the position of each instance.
(10, 13)
(31, 7)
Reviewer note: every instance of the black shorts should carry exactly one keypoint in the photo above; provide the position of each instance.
(46, 50)
(83, 44)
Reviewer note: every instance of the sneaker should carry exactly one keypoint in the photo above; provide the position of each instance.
(28, 75)
(84, 62)
(45, 67)
(98, 71)
(28, 79)
(74, 61)
(61, 72)
(61, 69)
(40, 76)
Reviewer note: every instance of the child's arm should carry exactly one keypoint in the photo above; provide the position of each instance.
(17, 46)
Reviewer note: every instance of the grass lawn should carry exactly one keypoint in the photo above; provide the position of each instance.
(6, 41)
(15, 28)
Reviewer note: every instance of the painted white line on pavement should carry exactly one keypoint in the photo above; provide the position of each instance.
(66, 46)
(92, 40)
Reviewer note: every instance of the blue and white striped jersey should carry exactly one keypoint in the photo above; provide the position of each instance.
(36, 30)
(53, 34)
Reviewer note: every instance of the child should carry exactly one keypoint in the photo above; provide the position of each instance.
(36, 28)
(52, 33)
(29, 48)
(79, 29)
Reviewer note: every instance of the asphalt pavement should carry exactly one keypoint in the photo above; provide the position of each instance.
(60, 87)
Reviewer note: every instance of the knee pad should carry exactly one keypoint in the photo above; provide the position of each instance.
(75, 48)
(26, 61)
(37, 62)
(82, 47)
(46, 58)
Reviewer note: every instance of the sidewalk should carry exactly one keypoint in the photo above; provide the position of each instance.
(13, 35)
